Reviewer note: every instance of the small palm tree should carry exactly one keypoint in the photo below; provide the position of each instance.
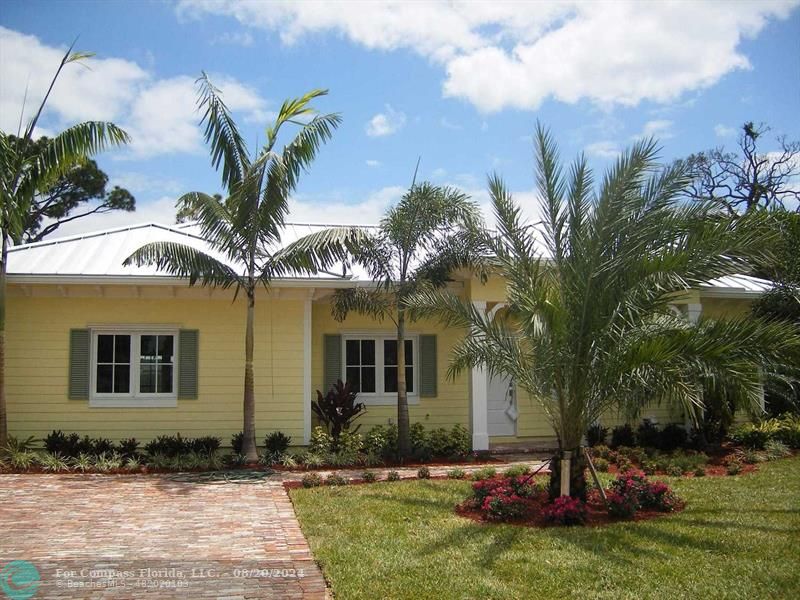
(242, 227)
(588, 327)
(25, 170)
(420, 241)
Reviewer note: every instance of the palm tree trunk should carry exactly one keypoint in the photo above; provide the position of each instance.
(403, 426)
(577, 474)
(249, 448)
(3, 412)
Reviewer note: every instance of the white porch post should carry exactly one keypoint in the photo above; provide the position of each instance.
(307, 366)
(480, 426)
(693, 312)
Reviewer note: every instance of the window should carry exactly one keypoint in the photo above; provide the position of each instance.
(370, 365)
(390, 366)
(133, 368)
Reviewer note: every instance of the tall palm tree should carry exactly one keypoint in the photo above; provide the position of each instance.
(588, 327)
(242, 227)
(420, 241)
(26, 170)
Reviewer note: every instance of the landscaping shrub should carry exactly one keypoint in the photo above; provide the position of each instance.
(368, 476)
(102, 446)
(320, 442)
(82, 462)
(335, 479)
(456, 474)
(57, 442)
(672, 437)
(393, 476)
(237, 443)
(503, 505)
(424, 473)
(776, 449)
(311, 459)
(596, 435)
(623, 506)
(649, 467)
(204, 445)
(632, 490)
(338, 408)
(168, 445)
(376, 442)
(349, 444)
(460, 441)
(648, 434)
(420, 442)
(750, 436)
(700, 472)
(311, 480)
(674, 471)
(734, 467)
(565, 510)
(622, 435)
(601, 451)
(484, 473)
(601, 464)
(53, 462)
(128, 448)
(516, 471)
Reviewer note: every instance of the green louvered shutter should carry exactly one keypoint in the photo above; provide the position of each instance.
(188, 348)
(427, 366)
(79, 361)
(332, 360)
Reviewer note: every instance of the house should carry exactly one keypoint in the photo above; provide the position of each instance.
(102, 349)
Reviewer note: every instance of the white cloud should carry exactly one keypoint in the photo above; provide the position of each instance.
(322, 210)
(448, 124)
(660, 128)
(373, 163)
(439, 173)
(235, 38)
(724, 131)
(386, 123)
(605, 149)
(159, 114)
(503, 54)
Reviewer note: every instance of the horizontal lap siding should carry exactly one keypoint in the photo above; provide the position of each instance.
(449, 407)
(37, 356)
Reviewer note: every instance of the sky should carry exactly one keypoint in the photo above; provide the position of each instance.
(457, 85)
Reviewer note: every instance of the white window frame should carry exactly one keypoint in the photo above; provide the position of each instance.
(134, 398)
(379, 397)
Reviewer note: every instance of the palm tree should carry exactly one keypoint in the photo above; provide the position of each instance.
(242, 227)
(588, 327)
(26, 169)
(419, 243)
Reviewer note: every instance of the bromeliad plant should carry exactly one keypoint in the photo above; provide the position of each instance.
(588, 326)
(338, 408)
(244, 227)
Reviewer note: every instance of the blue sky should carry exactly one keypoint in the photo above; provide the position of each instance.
(460, 85)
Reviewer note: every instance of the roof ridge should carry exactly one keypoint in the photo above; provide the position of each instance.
(100, 233)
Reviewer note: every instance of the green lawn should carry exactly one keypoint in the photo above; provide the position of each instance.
(739, 537)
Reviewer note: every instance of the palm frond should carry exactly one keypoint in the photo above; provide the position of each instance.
(185, 261)
(228, 148)
(370, 302)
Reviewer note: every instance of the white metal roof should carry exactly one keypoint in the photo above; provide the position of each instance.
(99, 256)
(101, 253)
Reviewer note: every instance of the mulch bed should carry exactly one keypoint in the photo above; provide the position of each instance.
(597, 515)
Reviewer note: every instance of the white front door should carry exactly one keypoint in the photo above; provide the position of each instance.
(501, 405)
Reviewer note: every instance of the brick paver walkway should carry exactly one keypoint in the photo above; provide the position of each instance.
(133, 536)
(198, 540)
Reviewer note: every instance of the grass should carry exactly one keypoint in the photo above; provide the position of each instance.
(737, 538)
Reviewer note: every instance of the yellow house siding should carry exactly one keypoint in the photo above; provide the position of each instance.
(37, 352)
(450, 406)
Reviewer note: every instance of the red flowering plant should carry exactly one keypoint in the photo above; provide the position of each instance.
(632, 490)
(503, 505)
(565, 510)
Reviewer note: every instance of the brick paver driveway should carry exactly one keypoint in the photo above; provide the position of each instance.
(107, 536)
